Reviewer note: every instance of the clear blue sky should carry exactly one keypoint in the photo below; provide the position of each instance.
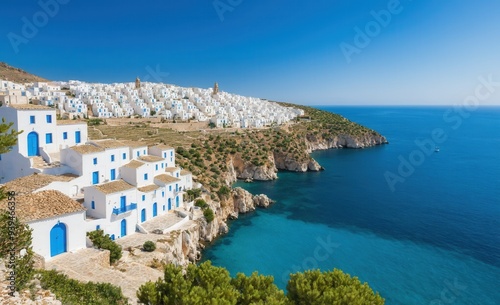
(431, 52)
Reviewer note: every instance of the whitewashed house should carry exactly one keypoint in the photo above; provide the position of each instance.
(58, 222)
(41, 137)
(112, 207)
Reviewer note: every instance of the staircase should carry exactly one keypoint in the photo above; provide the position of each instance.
(39, 163)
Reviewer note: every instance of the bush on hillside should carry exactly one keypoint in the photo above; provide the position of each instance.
(102, 241)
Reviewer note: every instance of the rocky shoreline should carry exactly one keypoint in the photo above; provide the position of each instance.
(189, 244)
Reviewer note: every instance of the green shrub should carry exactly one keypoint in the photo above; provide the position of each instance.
(209, 215)
(70, 291)
(102, 241)
(149, 246)
(201, 203)
(21, 239)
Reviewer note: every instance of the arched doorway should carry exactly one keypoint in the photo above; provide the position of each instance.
(155, 209)
(58, 239)
(143, 215)
(32, 144)
(177, 201)
(123, 226)
(169, 204)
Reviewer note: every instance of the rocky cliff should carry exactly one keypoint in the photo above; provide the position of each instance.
(185, 245)
(299, 161)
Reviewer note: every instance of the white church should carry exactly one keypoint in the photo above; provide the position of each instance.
(67, 185)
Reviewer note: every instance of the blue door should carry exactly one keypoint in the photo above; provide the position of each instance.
(58, 239)
(123, 226)
(123, 203)
(177, 201)
(95, 178)
(155, 209)
(143, 215)
(78, 138)
(32, 144)
(113, 174)
(169, 204)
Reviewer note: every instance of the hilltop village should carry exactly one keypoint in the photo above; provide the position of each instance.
(67, 185)
(169, 102)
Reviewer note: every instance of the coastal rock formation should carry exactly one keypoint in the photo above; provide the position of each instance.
(297, 161)
(185, 246)
(344, 141)
(243, 169)
(262, 201)
(242, 201)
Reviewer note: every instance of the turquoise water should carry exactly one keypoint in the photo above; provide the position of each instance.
(433, 238)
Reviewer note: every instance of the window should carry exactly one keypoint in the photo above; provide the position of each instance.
(138, 153)
(112, 158)
(164, 155)
(98, 227)
(171, 153)
(143, 197)
(177, 175)
(156, 166)
(94, 161)
(65, 135)
(49, 118)
(124, 156)
(162, 165)
(92, 204)
(144, 152)
(32, 119)
(169, 188)
(162, 193)
(145, 176)
(48, 138)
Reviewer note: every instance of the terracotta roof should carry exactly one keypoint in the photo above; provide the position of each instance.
(148, 188)
(114, 187)
(163, 147)
(43, 205)
(70, 122)
(30, 107)
(171, 169)
(28, 184)
(185, 172)
(134, 164)
(167, 178)
(109, 144)
(134, 144)
(87, 149)
(149, 158)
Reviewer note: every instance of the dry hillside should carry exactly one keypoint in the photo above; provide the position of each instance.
(17, 75)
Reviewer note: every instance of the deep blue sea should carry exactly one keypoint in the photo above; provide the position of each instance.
(428, 234)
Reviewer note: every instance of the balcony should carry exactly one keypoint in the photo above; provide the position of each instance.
(128, 208)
